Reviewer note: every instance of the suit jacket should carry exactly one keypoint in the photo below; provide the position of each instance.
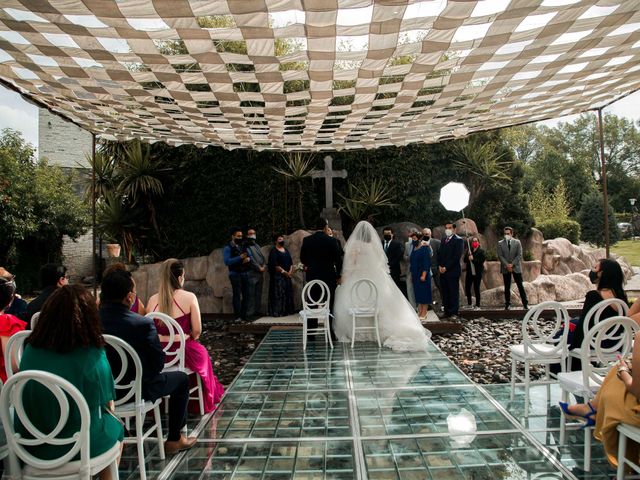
(139, 332)
(511, 255)
(36, 304)
(435, 245)
(322, 255)
(394, 254)
(450, 254)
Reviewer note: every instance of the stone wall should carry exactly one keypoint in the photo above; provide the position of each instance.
(62, 143)
(76, 256)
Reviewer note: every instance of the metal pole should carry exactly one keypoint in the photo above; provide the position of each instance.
(605, 197)
(93, 215)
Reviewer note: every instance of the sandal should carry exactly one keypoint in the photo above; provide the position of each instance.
(589, 417)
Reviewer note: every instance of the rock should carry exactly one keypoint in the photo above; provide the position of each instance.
(545, 288)
(560, 246)
(217, 273)
(531, 270)
(466, 227)
(141, 277)
(575, 264)
(492, 278)
(195, 268)
(534, 243)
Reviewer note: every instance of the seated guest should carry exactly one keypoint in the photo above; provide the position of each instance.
(9, 324)
(67, 341)
(117, 295)
(138, 306)
(52, 276)
(18, 307)
(176, 302)
(280, 286)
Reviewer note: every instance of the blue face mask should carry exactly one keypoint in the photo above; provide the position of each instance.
(415, 242)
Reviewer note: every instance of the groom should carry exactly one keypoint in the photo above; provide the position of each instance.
(322, 255)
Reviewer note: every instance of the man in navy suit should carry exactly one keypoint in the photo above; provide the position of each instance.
(449, 256)
(118, 292)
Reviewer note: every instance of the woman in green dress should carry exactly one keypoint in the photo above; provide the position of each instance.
(67, 341)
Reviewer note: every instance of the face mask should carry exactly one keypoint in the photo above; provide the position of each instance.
(593, 276)
(508, 237)
(387, 237)
(238, 241)
(426, 238)
(415, 242)
(251, 237)
(448, 232)
(475, 244)
(251, 241)
(281, 243)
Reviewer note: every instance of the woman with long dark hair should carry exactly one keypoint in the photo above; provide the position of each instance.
(280, 286)
(67, 341)
(176, 302)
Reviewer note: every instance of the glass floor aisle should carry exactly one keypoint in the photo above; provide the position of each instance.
(369, 413)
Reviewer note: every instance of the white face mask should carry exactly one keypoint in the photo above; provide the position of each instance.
(252, 237)
(507, 237)
(448, 232)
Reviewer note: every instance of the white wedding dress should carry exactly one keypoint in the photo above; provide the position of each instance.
(400, 328)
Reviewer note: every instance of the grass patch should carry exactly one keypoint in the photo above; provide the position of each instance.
(629, 249)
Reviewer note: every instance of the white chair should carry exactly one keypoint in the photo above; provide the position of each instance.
(175, 355)
(542, 344)
(600, 348)
(364, 301)
(633, 433)
(316, 307)
(34, 320)
(13, 350)
(63, 467)
(593, 317)
(130, 402)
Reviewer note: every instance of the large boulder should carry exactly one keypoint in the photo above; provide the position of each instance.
(531, 270)
(492, 278)
(195, 268)
(466, 227)
(534, 243)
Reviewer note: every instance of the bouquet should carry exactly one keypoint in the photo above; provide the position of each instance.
(300, 267)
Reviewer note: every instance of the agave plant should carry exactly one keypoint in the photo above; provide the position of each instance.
(364, 200)
(116, 222)
(298, 168)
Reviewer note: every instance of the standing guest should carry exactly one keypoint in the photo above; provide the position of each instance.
(256, 274)
(322, 256)
(474, 256)
(176, 302)
(394, 251)
(280, 285)
(238, 262)
(52, 276)
(18, 307)
(137, 307)
(450, 271)
(421, 276)
(67, 341)
(434, 243)
(9, 324)
(510, 254)
(408, 249)
(118, 292)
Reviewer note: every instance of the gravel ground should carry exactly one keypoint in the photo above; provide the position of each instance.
(481, 350)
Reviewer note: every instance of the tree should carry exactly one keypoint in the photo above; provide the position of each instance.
(37, 207)
(546, 205)
(591, 219)
(299, 169)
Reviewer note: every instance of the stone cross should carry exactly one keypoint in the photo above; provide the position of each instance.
(329, 174)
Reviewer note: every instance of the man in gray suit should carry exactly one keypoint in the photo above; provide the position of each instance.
(434, 244)
(510, 254)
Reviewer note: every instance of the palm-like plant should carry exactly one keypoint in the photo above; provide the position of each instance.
(483, 164)
(107, 180)
(298, 168)
(365, 200)
(116, 222)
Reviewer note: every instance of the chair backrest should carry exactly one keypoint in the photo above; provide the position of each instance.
(14, 349)
(127, 389)
(316, 295)
(34, 319)
(364, 294)
(537, 330)
(175, 347)
(602, 345)
(67, 395)
(594, 314)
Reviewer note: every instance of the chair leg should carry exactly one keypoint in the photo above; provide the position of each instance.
(375, 319)
(622, 451)
(587, 449)
(527, 380)
(304, 332)
(156, 414)
(140, 444)
(327, 331)
(353, 329)
(513, 377)
(113, 470)
(563, 419)
(200, 394)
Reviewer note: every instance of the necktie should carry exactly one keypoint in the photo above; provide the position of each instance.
(386, 246)
(509, 244)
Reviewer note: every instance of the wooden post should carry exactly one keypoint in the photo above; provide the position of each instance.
(93, 215)
(605, 196)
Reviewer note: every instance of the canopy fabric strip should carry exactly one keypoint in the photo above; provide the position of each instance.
(317, 74)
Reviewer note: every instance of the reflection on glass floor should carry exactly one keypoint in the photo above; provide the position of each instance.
(372, 413)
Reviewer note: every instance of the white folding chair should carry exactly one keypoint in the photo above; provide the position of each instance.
(542, 344)
(34, 320)
(593, 317)
(174, 351)
(62, 467)
(626, 432)
(600, 348)
(316, 307)
(364, 301)
(13, 351)
(130, 402)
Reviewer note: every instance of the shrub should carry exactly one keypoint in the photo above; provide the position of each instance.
(591, 218)
(491, 255)
(527, 255)
(569, 229)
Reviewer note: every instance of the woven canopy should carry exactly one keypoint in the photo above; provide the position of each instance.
(317, 74)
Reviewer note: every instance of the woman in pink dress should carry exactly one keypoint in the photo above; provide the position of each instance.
(176, 302)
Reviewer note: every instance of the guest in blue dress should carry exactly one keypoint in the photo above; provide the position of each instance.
(280, 266)
(420, 266)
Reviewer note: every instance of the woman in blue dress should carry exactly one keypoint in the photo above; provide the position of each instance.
(420, 265)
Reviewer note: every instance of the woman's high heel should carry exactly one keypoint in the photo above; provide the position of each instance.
(590, 420)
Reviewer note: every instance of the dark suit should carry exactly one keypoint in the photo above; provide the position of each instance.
(449, 257)
(36, 304)
(140, 332)
(322, 255)
(394, 252)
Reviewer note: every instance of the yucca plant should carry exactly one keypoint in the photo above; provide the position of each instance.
(298, 168)
(364, 200)
(106, 176)
(116, 222)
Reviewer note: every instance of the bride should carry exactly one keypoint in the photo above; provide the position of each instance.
(399, 326)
